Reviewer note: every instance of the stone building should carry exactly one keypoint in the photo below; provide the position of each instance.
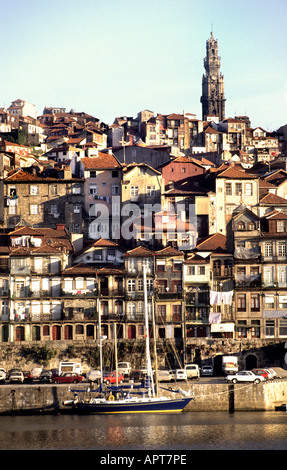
(212, 99)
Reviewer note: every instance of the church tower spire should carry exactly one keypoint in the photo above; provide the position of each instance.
(212, 99)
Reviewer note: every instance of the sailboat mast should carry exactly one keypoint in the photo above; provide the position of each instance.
(116, 353)
(148, 361)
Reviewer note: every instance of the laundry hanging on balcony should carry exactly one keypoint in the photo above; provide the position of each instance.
(215, 317)
(217, 298)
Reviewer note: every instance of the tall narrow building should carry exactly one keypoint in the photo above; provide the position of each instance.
(212, 99)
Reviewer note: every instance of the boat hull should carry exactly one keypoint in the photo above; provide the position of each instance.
(148, 406)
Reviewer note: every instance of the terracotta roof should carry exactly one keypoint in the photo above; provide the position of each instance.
(21, 175)
(169, 251)
(140, 251)
(212, 243)
(81, 268)
(101, 242)
(273, 199)
(233, 173)
(103, 161)
(275, 215)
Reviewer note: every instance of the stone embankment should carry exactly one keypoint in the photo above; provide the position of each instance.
(35, 399)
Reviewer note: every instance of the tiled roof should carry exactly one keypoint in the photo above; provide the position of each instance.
(168, 251)
(21, 175)
(140, 251)
(271, 198)
(236, 174)
(212, 243)
(103, 161)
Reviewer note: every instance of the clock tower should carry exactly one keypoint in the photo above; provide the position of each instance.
(212, 99)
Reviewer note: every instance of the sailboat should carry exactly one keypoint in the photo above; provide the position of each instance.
(130, 398)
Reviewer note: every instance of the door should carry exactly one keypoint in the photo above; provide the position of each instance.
(19, 333)
(56, 333)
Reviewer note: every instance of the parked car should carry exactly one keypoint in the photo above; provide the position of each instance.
(273, 373)
(110, 378)
(192, 371)
(11, 371)
(263, 372)
(180, 374)
(68, 378)
(207, 370)
(2, 376)
(46, 376)
(28, 376)
(245, 376)
(164, 375)
(137, 376)
(16, 377)
(94, 376)
(124, 368)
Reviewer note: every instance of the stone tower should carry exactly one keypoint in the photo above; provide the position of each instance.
(212, 99)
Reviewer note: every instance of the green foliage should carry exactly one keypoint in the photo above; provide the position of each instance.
(39, 354)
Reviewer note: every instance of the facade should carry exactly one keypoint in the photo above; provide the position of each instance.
(212, 99)
(42, 202)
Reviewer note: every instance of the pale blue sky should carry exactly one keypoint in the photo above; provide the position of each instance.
(117, 57)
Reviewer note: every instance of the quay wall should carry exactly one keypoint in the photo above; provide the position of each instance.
(34, 399)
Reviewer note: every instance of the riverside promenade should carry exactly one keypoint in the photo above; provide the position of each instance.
(49, 398)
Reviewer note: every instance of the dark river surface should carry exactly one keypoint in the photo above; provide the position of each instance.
(183, 432)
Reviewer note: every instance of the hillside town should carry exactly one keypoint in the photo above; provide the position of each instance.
(201, 202)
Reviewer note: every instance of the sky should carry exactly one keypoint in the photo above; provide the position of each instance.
(113, 58)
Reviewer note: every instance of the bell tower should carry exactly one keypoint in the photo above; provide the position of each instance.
(212, 99)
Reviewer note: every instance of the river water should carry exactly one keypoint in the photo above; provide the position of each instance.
(183, 432)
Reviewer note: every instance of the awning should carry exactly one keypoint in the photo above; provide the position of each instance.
(222, 327)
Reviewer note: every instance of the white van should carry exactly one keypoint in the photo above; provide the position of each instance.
(124, 368)
(66, 366)
(192, 371)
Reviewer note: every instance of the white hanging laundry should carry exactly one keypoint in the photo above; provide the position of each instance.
(215, 317)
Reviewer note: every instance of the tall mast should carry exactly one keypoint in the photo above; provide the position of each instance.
(148, 361)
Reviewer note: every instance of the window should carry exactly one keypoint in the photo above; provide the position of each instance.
(191, 270)
(131, 285)
(160, 265)
(177, 266)
(54, 209)
(34, 209)
(115, 189)
(255, 303)
(228, 189)
(161, 312)
(269, 301)
(76, 228)
(241, 302)
(281, 248)
(238, 189)
(241, 226)
(115, 174)
(93, 189)
(34, 190)
(282, 327)
(150, 191)
(132, 265)
(280, 224)
(134, 191)
(140, 285)
(268, 249)
(248, 189)
(77, 209)
(283, 301)
(176, 312)
(53, 189)
(270, 328)
(201, 270)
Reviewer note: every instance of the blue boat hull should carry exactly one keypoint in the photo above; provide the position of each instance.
(160, 406)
